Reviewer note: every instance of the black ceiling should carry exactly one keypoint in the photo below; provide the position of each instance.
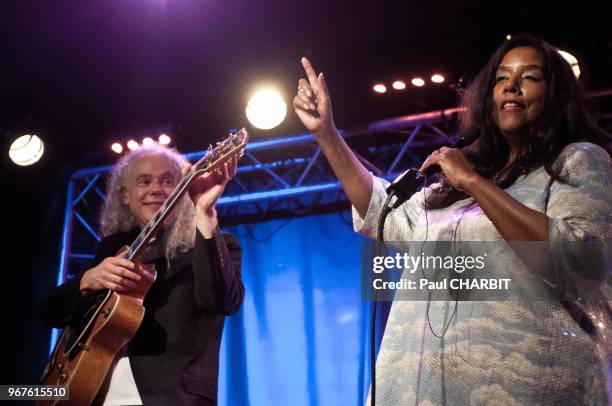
(82, 73)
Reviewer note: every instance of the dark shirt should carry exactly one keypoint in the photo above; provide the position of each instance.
(174, 355)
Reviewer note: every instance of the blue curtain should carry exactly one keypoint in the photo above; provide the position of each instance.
(302, 335)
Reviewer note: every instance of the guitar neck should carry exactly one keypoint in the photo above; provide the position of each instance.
(213, 158)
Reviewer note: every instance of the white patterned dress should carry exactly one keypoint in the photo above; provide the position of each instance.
(511, 352)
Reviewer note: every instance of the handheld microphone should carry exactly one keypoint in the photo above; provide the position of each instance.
(411, 181)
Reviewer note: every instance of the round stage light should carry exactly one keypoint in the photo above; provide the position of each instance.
(117, 148)
(437, 78)
(399, 85)
(379, 88)
(573, 62)
(148, 141)
(266, 109)
(164, 139)
(132, 145)
(418, 82)
(26, 150)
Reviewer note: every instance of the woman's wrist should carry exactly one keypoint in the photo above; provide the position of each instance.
(327, 132)
(473, 183)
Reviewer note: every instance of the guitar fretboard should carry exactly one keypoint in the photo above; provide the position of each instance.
(233, 145)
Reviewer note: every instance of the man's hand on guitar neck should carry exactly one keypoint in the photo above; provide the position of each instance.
(206, 190)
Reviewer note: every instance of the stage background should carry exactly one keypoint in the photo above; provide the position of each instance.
(301, 337)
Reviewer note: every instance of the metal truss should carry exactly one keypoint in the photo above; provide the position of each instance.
(281, 177)
(289, 176)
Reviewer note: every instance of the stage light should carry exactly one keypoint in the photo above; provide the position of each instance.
(399, 85)
(379, 88)
(132, 145)
(26, 150)
(147, 141)
(573, 62)
(117, 148)
(508, 37)
(266, 109)
(437, 78)
(418, 82)
(164, 139)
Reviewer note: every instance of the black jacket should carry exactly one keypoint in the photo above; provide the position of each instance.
(174, 355)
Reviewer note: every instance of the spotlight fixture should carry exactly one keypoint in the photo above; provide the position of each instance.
(572, 60)
(132, 145)
(26, 150)
(379, 88)
(147, 141)
(418, 82)
(117, 148)
(437, 78)
(164, 139)
(399, 85)
(266, 109)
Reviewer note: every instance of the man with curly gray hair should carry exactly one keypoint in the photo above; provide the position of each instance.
(174, 356)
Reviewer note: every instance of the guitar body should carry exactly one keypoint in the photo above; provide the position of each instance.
(82, 363)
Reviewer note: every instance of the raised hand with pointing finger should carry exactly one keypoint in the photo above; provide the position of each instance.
(312, 103)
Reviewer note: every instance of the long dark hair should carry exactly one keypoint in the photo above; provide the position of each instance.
(566, 118)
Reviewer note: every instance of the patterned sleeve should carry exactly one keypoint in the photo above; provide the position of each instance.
(400, 222)
(580, 211)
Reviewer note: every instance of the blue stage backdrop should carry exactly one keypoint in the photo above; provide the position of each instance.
(301, 337)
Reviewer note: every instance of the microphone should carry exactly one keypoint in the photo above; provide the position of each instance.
(411, 181)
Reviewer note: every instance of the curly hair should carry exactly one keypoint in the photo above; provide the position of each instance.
(116, 215)
(566, 118)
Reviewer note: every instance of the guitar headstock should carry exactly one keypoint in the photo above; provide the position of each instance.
(232, 146)
(216, 156)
